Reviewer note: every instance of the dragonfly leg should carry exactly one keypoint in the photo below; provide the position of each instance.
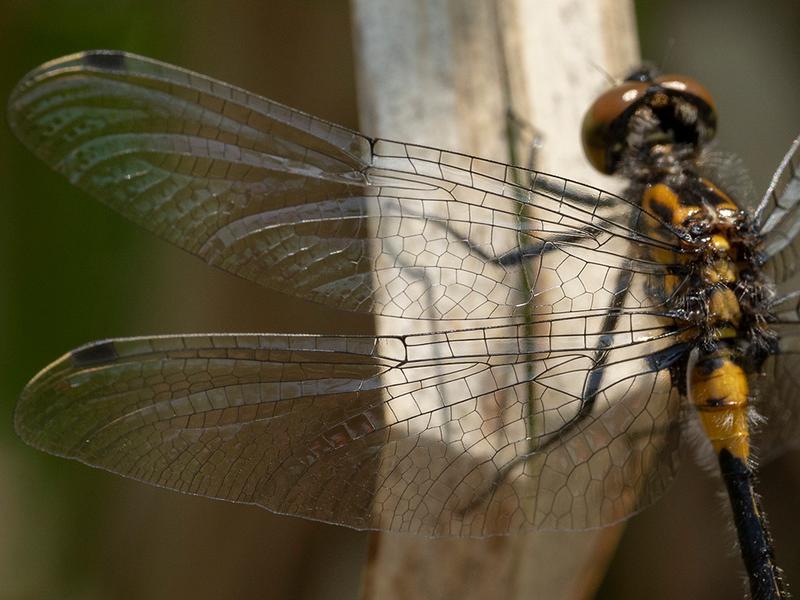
(518, 256)
(526, 142)
(588, 397)
(595, 377)
(524, 137)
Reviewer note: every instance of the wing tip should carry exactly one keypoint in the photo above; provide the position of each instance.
(36, 401)
(94, 354)
(102, 60)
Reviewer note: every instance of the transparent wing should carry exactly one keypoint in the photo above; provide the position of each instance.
(312, 209)
(776, 386)
(431, 434)
(778, 215)
(776, 397)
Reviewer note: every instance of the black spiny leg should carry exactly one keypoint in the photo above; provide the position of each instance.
(518, 256)
(601, 353)
(588, 397)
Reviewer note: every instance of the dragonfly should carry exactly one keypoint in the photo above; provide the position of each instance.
(569, 340)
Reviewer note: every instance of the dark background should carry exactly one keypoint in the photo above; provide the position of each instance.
(75, 272)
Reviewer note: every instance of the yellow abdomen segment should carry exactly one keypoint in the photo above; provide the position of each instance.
(719, 390)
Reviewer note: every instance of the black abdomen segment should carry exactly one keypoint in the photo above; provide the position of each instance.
(755, 542)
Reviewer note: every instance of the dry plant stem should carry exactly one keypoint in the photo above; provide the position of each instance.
(446, 73)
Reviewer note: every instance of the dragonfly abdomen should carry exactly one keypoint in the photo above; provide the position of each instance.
(721, 298)
(716, 298)
(719, 390)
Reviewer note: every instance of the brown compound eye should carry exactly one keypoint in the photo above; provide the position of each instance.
(598, 131)
(688, 87)
(700, 128)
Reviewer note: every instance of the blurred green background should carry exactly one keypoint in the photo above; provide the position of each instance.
(76, 272)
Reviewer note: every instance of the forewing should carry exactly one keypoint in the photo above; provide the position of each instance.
(447, 434)
(778, 215)
(312, 209)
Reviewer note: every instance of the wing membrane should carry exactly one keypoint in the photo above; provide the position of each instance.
(779, 217)
(776, 398)
(399, 433)
(312, 209)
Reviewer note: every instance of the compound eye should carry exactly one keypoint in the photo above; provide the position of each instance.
(598, 132)
(698, 96)
(688, 87)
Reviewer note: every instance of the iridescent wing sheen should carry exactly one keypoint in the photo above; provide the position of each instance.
(312, 209)
(405, 433)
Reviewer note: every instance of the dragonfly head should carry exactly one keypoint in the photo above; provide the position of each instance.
(644, 111)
